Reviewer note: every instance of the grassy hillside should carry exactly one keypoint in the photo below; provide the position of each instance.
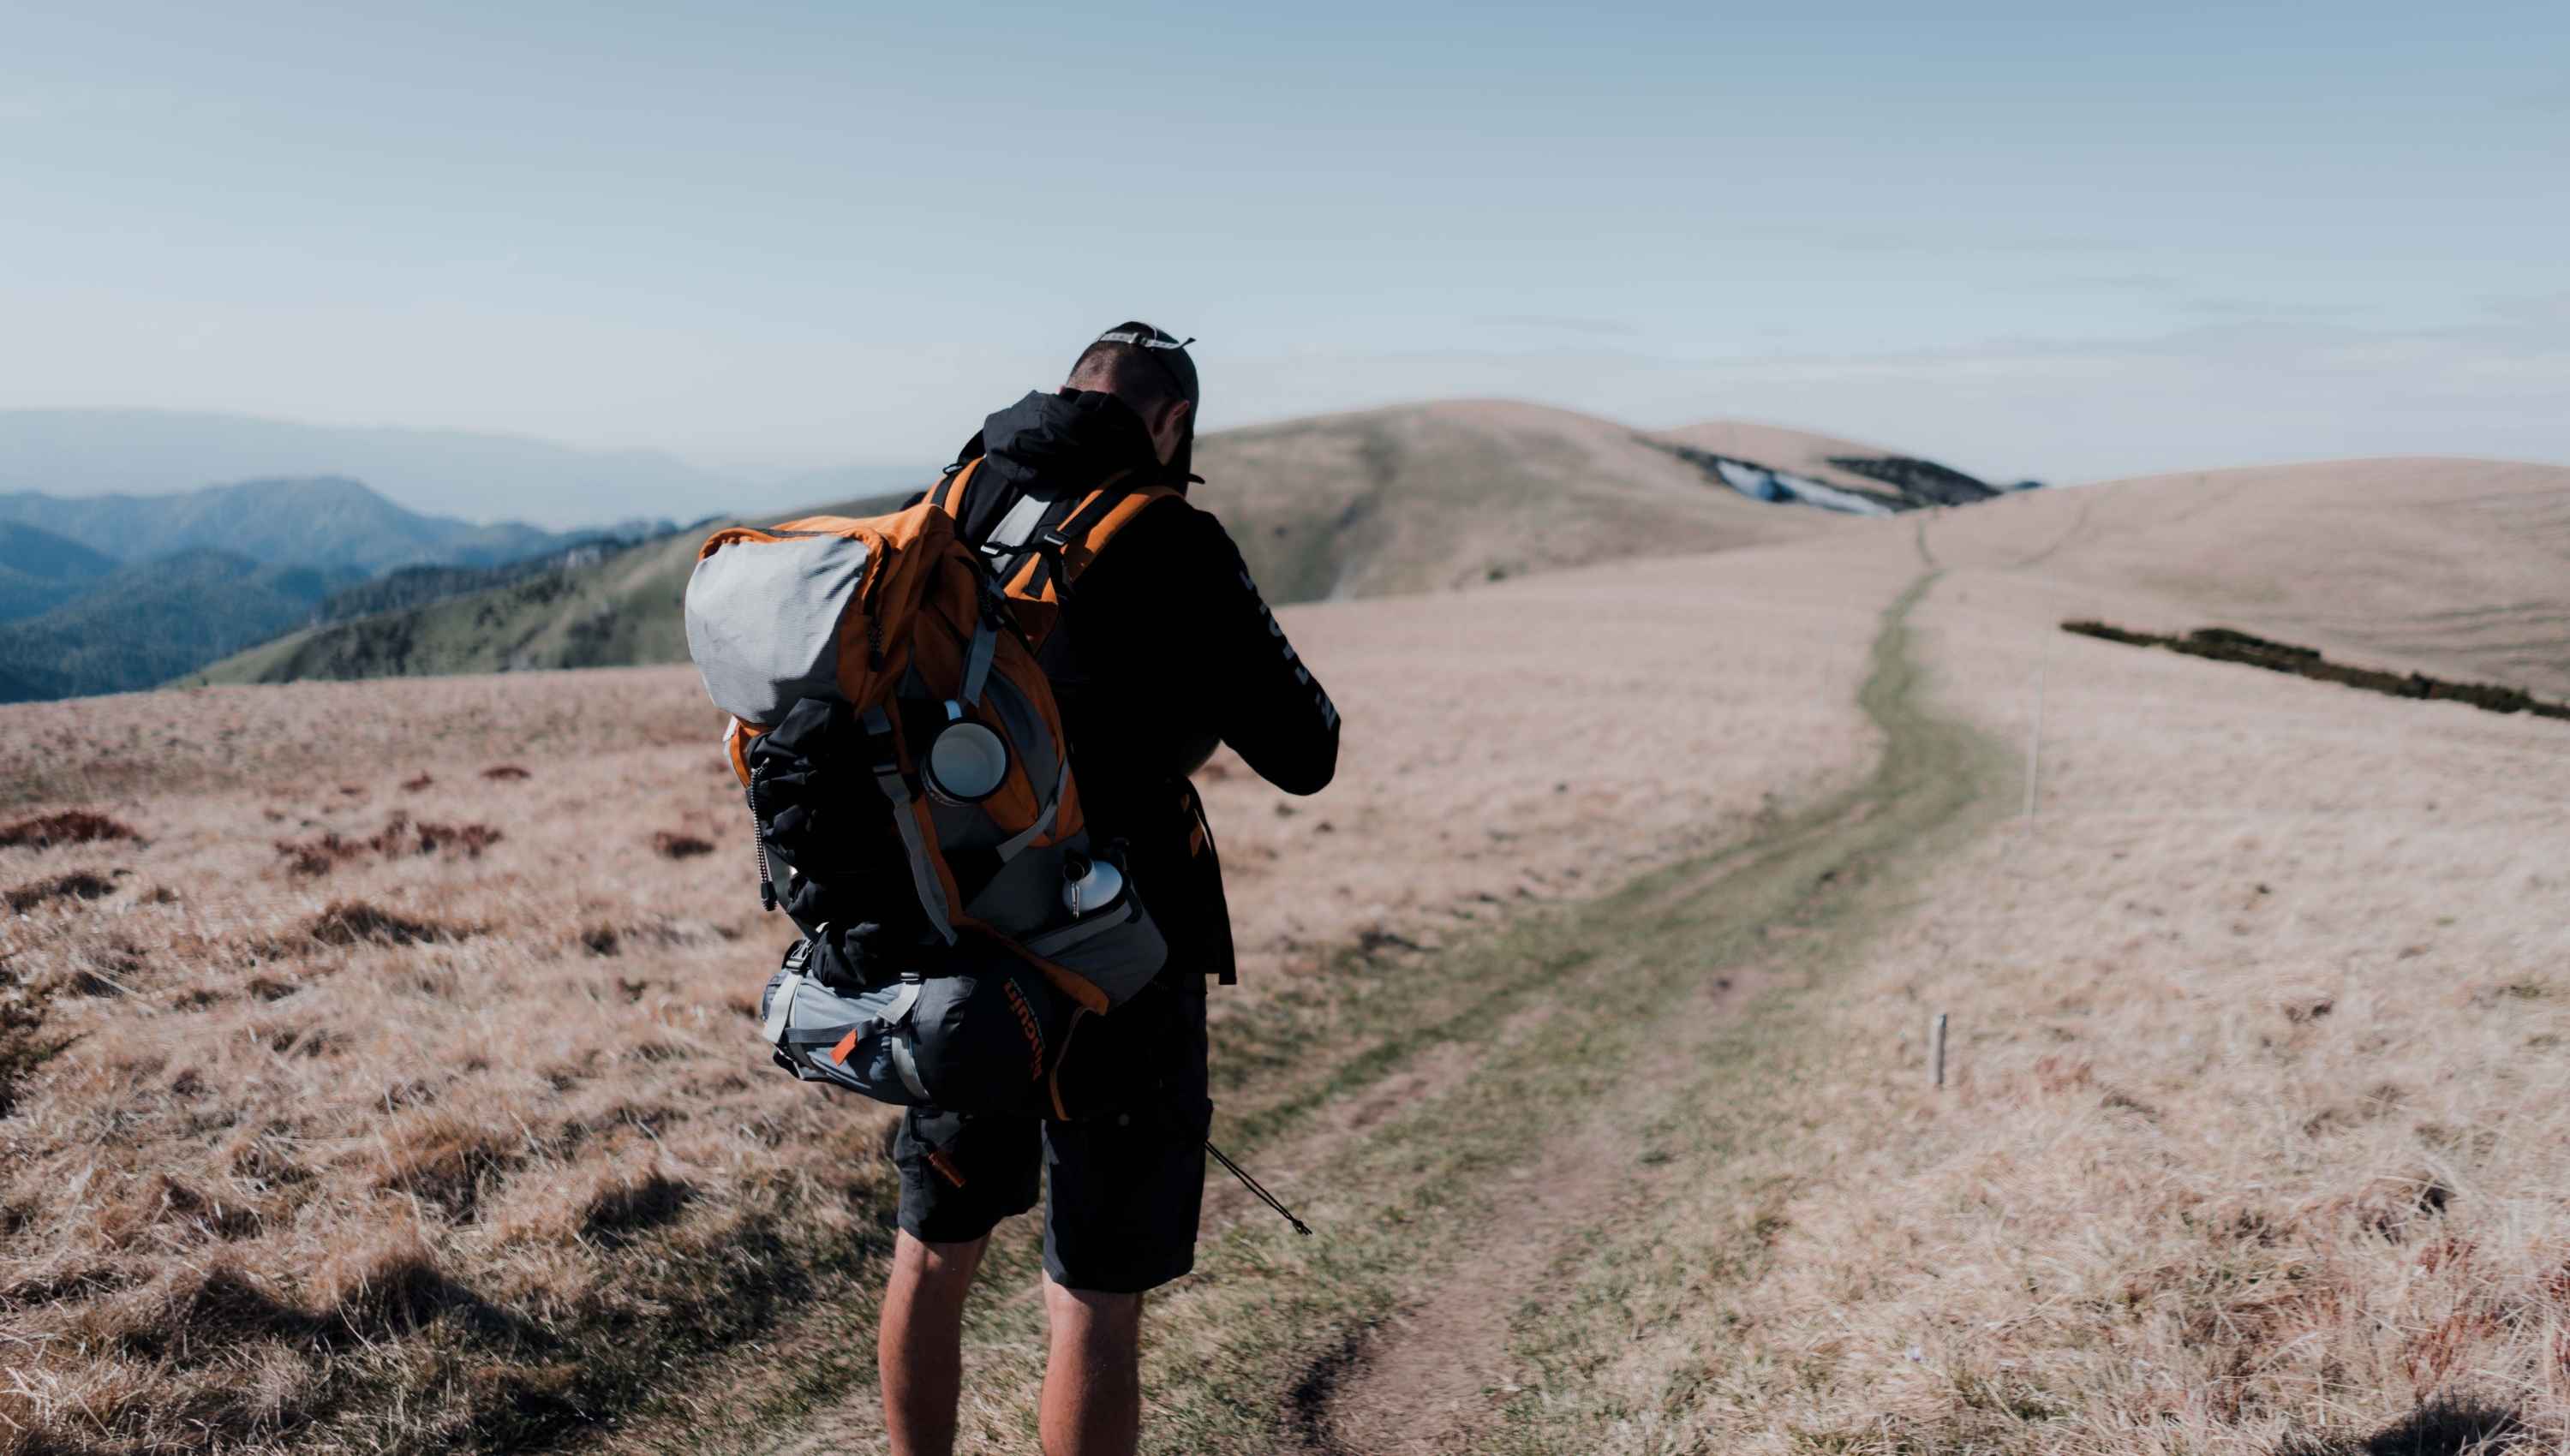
(1422, 497)
(406, 588)
(624, 609)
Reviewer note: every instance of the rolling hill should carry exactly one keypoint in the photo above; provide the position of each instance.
(1415, 498)
(405, 588)
(40, 570)
(145, 624)
(1424, 497)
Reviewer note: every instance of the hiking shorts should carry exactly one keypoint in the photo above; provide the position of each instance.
(1122, 1192)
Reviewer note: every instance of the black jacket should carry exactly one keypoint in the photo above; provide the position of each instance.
(1172, 650)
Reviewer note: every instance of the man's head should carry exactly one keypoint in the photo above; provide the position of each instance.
(1150, 372)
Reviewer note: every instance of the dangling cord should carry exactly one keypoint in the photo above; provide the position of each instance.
(758, 836)
(1262, 1194)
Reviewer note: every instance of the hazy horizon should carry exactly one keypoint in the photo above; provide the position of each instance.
(760, 483)
(2022, 241)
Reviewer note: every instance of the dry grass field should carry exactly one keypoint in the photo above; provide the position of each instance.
(382, 1078)
(398, 1098)
(2258, 1127)
(2454, 565)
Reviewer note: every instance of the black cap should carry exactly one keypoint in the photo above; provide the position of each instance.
(1169, 353)
(1162, 348)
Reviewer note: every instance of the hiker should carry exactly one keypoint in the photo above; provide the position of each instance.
(1163, 650)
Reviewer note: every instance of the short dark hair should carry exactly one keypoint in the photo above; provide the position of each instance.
(1123, 371)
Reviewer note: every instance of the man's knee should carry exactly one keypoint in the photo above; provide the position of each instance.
(1093, 1314)
(937, 1271)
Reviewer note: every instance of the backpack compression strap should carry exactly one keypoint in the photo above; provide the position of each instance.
(906, 815)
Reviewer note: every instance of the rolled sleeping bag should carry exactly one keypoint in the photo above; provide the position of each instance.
(981, 1040)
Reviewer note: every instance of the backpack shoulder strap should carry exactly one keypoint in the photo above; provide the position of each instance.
(948, 493)
(1073, 547)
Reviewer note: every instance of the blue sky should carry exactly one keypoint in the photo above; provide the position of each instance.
(2071, 241)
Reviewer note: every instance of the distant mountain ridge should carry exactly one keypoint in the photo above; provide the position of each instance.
(88, 453)
(324, 521)
(406, 588)
(113, 593)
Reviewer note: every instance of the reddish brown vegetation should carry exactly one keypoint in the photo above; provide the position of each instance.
(71, 827)
(400, 836)
(446, 1160)
(675, 844)
(354, 923)
(413, 786)
(622, 1206)
(78, 884)
(505, 772)
(318, 856)
(2227, 644)
(469, 840)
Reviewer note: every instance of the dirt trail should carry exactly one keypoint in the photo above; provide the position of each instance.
(1429, 1378)
(1418, 1383)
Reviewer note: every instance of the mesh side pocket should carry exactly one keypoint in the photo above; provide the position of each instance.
(1117, 950)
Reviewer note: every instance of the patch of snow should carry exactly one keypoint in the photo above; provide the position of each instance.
(1760, 484)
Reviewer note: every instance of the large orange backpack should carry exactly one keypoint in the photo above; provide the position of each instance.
(894, 624)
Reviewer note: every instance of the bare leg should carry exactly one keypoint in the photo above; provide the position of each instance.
(919, 1345)
(1092, 1391)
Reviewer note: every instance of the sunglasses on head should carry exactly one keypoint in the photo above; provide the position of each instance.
(1152, 340)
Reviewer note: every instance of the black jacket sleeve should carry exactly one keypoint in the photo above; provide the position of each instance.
(1269, 707)
(1172, 622)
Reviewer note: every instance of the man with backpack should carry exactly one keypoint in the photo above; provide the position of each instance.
(1162, 650)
